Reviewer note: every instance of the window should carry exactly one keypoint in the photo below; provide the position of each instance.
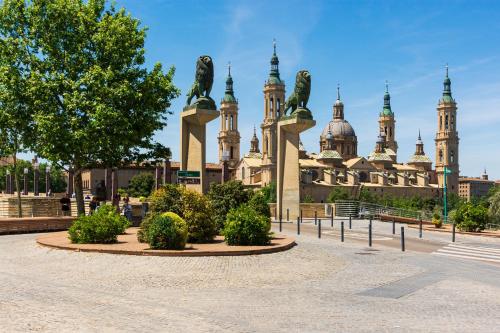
(452, 122)
(243, 173)
(232, 123)
(440, 122)
(231, 153)
(441, 156)
(452, 156)
(390, 132)
(385, 130)
(271, 105)
(446, 122)
(278, 108)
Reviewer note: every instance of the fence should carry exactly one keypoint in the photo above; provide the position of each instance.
(346, 208)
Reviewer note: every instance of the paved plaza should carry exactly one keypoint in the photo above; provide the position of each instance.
(321, 285)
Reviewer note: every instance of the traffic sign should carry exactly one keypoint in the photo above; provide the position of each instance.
(190, 174)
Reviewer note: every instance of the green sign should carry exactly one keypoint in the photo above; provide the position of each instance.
(186, 173)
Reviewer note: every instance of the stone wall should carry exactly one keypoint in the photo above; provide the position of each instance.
(307, 209)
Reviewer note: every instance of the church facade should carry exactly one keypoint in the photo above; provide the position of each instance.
(338, 164)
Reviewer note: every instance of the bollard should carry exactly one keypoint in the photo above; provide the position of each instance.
(331, 219)
(453, 234)
(298, 225)
(350, 221)
(420, 229)
(287, 214)
(342, 231)
(370, 233)
(319, 228)
(315, 217)
(393, 226)
(301, 216)
(403, 239)
(280, 224)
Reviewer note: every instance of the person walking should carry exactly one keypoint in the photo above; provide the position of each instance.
(127, 209)
(66, 205)
(93, 205)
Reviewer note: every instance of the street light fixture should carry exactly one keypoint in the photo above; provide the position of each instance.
(36, 167)
(225, 171)
(25, 179)
(47, 181)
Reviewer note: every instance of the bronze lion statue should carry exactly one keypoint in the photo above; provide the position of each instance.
(204, 80)
(301, 92)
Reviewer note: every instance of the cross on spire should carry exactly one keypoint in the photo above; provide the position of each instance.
(229, 68)
(338, 91)
(274, 45)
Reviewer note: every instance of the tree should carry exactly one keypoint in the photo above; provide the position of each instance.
(269, 192)
(225, 197)
(471, 217)
(338, 193)
(494, 209)
(93, 102)
(141, 185)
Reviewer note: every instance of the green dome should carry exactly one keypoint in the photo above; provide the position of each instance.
(386, 110)
(229, 98)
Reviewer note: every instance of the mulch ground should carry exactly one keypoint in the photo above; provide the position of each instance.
(128, 244)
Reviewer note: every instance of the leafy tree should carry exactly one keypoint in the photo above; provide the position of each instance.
(141, 185)
(225, 197)
(259, 204)
(338, 193)
(167, 198)
(471, 217)
(494, 209)
(269, 192)
(307, 199)
(92, 100)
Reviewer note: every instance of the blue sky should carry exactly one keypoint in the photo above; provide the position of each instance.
(358, 44)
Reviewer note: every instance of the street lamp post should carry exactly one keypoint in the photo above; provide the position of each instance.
(446, 172)
(47, 181)
(225, 170)
(7, 181)
(36, 177)
(25, 179)
(167, 179)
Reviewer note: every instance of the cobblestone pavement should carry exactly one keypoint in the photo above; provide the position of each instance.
(320, 285)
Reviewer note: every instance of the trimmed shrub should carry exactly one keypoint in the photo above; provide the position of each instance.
(166, 199)
(198, 214)
(103, 226)
(167, 231)
(244, 226)
(470, 217)
(224, 197)
(259, 203)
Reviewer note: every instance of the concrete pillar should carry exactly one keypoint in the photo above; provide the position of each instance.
(193, 144)
(288, 169)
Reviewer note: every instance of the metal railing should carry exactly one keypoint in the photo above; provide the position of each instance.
(346, 208)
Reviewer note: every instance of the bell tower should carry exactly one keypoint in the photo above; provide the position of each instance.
(274, 97)
(229, 136)
(387, 123)
(447, 139)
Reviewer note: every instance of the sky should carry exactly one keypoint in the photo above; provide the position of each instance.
(356, 44)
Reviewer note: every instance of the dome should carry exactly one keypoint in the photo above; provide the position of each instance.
(338, 127)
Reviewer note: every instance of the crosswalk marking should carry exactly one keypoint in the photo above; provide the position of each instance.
(481, 253)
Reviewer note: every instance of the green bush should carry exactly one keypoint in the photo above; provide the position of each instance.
(269, 192)
(470, 217)
(142, 234)
(103, 226)
(141, 185)
(259, 204)
(338, 193)
(198, 214)
(167, 231)
(224, 197)
(494, 209)
(244, 226)
(308, 199)
(166, 199)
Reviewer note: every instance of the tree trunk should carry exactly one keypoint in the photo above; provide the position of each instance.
(80, 203)
(16, 180)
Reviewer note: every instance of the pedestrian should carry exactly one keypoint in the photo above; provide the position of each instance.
(66, 205)
(93, 204)
(127, 209)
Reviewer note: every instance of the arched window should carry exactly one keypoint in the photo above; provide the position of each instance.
(385, 130)
(440, 156)
(440, 122)
(452, 122)
(232, 123)
(390, 132)
(266, 144)
(231, 153)
(278, 108)
(452, 156)
(271, 106)
(446, 122)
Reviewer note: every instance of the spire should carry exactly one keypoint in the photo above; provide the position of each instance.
(274, 75)
(338, 107)
(419, 150)
(254, 143)
(447, 88)
(386, 110)
(338, 92)
(229, 94)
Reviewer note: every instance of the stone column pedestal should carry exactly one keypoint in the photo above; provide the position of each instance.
(193, 144)
(288, 169)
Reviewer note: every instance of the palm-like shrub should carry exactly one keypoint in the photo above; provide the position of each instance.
(167, 231)
(103, 226)
(244, 226)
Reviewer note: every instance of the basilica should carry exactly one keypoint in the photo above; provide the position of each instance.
(337, 162)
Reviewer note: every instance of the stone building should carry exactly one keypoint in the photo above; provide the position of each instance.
(387, 125)
(447, 139)
(229, 136)
(274, 97)
(470, 187)
(345, 141)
